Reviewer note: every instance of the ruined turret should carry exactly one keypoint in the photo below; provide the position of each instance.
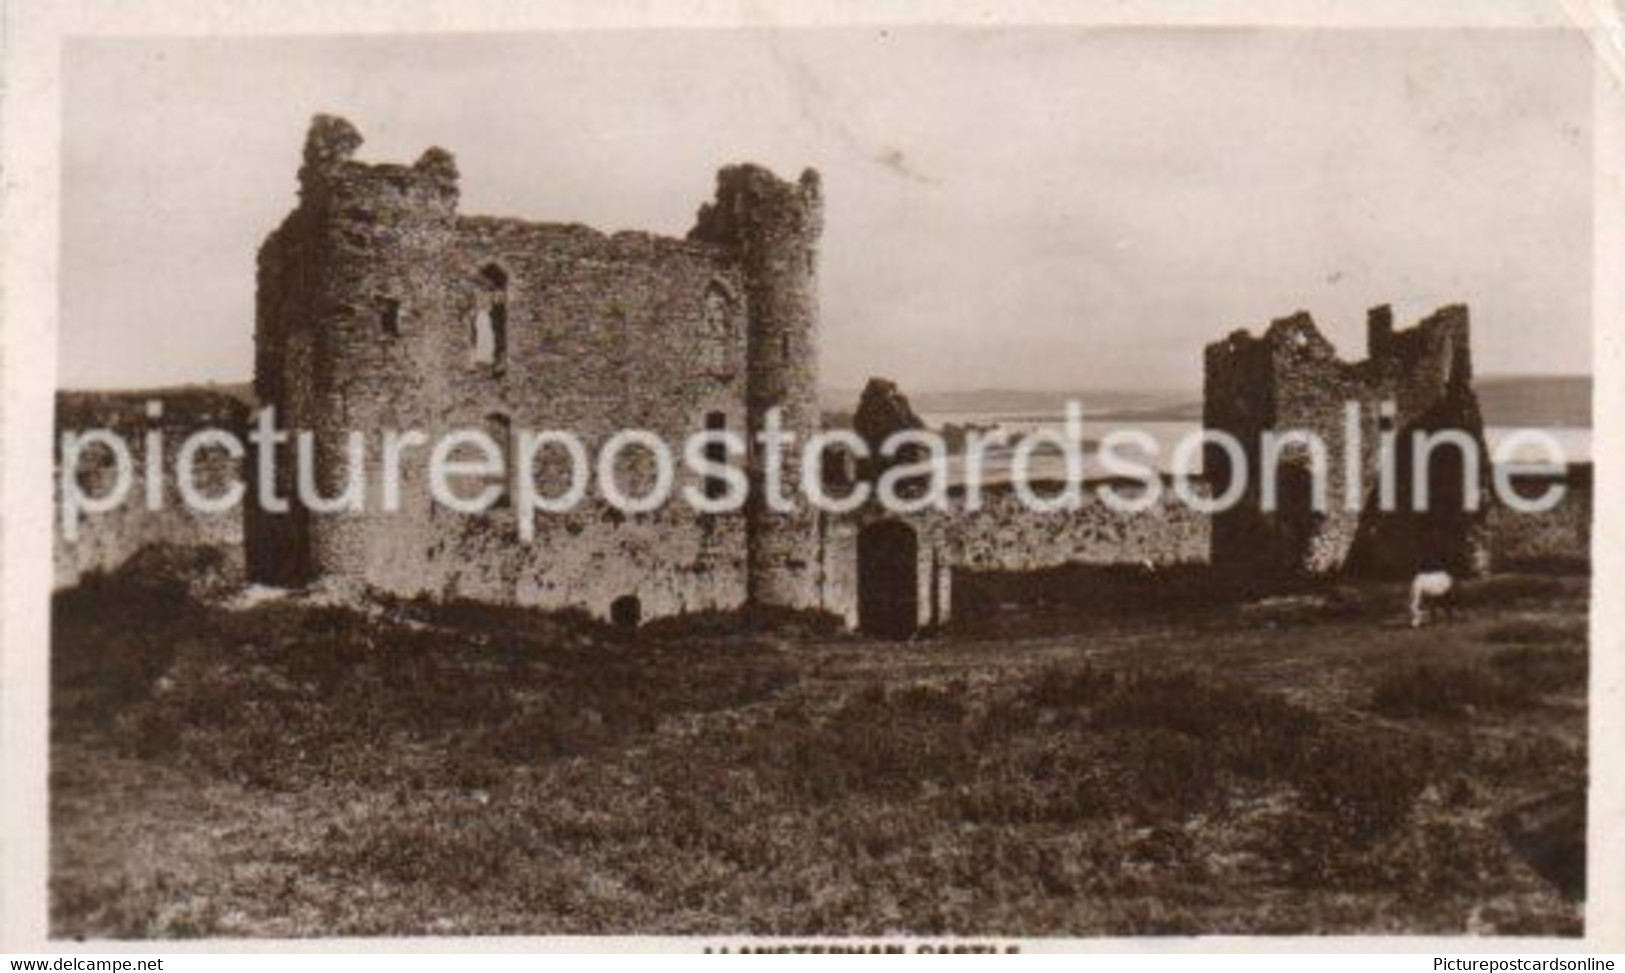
(346, 284)
(774, 227)
(884, 411)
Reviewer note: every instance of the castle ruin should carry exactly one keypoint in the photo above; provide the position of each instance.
(381, 307)
(1290, 378)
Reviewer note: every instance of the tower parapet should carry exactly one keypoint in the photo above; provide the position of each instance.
(330, 172)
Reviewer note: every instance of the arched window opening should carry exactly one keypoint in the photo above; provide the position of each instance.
(489, 332)
(482, 338)
(719, 331)
(888, 580)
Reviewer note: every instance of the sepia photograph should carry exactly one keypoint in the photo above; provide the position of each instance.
(977, 482)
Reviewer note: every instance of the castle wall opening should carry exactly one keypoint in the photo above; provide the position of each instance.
(490, 327)
(888, 581)
(500, 428)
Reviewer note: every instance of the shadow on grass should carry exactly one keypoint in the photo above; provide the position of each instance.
(285, 695)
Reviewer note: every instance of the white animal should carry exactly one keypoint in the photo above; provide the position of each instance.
(1428, 588)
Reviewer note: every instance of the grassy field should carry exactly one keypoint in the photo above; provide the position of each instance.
(1295, 766)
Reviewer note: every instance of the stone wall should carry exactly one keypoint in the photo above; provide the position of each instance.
(107, 540)
(1006, 536)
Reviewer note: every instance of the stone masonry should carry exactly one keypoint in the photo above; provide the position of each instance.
(1290, 378)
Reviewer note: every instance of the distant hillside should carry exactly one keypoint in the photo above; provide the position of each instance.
(1540, 401)
(1008, 401)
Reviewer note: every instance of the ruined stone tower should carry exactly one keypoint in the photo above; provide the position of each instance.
(774, 227)
(381, 307)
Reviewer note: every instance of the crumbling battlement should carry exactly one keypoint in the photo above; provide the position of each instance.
(1290, 378)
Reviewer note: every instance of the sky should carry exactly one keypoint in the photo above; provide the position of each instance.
(1039, 208)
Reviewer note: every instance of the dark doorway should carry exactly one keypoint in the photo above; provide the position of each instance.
(626, 611)
(888, 580)
(1296, 518)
